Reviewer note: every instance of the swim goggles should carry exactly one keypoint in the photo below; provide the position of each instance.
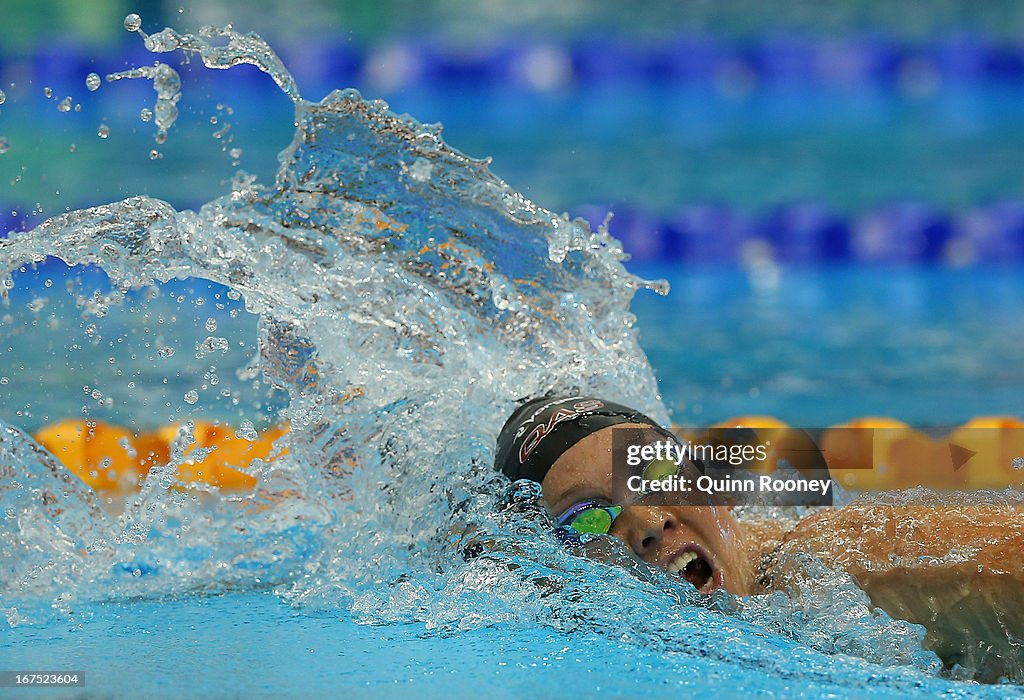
(588, 518)
(595, 517)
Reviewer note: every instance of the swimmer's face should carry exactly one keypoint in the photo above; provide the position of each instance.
(704, 540)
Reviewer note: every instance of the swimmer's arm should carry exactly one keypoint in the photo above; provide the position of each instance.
(957, 571)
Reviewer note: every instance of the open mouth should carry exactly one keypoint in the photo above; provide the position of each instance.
(694, 564)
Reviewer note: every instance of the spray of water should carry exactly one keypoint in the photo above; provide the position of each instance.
(406, 298)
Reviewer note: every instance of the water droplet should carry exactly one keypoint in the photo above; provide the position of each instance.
(154, 154)
(3, 97)
(72, 148)
(4, 380)
(65, 105)
(235, 153)
(146, 114)
(1018, 463)
(133, 22)
(164, 351)
(211, 325)
(103, 131)
(421, 170)
(4, 145)
(93, 82)
(48, 91)
(191, 396)
(137, 573)
(210, 345)
(167, 84)
(246, 431)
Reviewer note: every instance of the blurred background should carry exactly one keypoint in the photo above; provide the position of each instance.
(833, 188)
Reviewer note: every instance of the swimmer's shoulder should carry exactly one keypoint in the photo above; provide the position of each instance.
(955, 569)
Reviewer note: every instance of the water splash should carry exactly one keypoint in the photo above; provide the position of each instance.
(240, 49)
(374, 289)
(406, 298)
(167, 84)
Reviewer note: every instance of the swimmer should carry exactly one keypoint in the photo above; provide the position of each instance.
(899, 555)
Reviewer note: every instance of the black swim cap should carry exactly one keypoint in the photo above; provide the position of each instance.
(540, 431)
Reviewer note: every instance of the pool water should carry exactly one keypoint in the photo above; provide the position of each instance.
(251, 645)
(390, 298)
(820, 345)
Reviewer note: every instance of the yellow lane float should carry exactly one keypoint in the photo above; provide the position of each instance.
(103, 456)
(226, 466)
(112, 459)
(864, 454)
(998, 446)
(782, 444)
(875, 454)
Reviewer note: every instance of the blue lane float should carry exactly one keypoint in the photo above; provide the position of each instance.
(900, 233)
(689, 58)
(806, 232)
(775, 58)
(813, 233)
(710, 233)
(992, 235)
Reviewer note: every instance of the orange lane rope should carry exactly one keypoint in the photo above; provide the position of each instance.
(864, 454)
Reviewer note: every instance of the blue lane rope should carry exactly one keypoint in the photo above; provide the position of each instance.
(794, 233)
(732, 63)
(811, 232)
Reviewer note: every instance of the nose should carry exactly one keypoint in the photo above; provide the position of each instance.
(644, 527)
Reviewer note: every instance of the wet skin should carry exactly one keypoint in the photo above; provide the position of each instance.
(966, 605)
(706, 538)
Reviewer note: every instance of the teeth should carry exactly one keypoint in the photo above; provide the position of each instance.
(681, 562)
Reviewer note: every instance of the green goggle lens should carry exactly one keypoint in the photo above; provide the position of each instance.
(595, 521)
(659, 469)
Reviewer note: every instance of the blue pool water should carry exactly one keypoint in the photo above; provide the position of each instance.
(251, 645)
(390, 298)
(816, 346)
